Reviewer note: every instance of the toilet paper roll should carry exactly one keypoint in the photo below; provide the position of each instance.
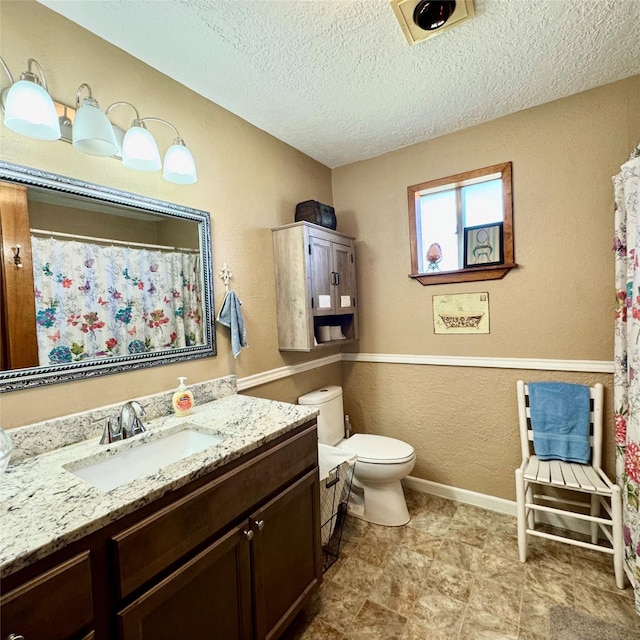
(324, 334)
(336, 333)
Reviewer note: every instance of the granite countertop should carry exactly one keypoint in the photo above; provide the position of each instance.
(44, 507)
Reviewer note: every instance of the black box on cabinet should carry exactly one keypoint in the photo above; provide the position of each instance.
(316, 212)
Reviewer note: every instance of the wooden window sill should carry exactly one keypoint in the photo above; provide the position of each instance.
(470, 274)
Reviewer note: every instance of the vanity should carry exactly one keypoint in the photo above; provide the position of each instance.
(205, 526)
(224, 543)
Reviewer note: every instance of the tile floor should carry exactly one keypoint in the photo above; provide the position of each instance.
(453, 573)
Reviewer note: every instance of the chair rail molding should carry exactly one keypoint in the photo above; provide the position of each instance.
(540, 364)
(257, 379)
(532, 364)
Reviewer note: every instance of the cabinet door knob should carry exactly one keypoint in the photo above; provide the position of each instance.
(249, 534)
(14, 636)
(260, 524)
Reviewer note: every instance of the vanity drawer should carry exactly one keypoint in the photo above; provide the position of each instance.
(154, 544)
(55, 605)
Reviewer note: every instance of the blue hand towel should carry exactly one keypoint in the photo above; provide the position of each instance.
(560, 421)
(230, 315)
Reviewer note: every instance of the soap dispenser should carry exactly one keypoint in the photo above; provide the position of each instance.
(182, 399)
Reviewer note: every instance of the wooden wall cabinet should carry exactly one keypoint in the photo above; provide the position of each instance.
(315, 285)
(233, 558)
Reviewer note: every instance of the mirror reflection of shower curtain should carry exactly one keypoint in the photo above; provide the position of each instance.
(626, 378)
(99, 301)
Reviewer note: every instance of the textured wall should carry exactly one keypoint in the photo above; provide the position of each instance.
(462, 421)
(291, 388)
(558, 304)
(248, 180)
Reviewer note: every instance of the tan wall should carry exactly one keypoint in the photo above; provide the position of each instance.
(462, 421)
(289, 389)
(558, 304)
(51, 217)
(248, 180)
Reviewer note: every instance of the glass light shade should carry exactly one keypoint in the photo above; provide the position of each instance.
(92, 131)
(140, 151)
(179, 166)
(29, 111)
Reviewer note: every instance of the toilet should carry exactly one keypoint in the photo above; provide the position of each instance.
(376, 493)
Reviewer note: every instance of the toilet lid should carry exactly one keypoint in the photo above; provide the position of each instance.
(378, 449)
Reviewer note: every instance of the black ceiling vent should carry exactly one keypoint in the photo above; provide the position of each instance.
(429, 15)
(422, 19)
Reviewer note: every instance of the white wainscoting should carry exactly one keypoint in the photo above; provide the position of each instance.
(452, 493)
(584, 366)
(284, 372)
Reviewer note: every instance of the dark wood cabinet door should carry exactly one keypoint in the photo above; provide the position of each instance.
(147, 548)
(56, 605)
(322, 276)
(286, 555)
(208, 597)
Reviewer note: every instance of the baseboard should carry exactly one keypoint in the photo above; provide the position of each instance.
(491, 503)
(482, 500)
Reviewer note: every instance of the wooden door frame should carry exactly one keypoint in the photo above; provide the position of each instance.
(19, 342)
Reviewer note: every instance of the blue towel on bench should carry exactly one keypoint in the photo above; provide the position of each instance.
(560, 421)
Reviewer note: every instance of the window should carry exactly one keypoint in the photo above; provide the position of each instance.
(461, 227)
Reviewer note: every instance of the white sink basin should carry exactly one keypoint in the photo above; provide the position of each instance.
(145, 459)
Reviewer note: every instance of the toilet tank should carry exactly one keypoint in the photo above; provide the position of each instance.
(328, 401)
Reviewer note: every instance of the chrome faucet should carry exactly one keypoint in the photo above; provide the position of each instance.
(126, 425)
(112, 431)
(131, 419)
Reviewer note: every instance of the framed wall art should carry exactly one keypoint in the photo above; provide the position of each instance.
(483, 245)
(461, 313)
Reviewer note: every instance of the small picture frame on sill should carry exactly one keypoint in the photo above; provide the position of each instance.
(483, 245)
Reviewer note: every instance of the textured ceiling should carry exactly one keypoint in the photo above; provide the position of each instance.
(337, 80)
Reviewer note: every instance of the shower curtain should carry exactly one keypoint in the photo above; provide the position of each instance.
(95, 301)
(627, 358)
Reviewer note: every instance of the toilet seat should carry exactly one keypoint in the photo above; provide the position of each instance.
(378, 449)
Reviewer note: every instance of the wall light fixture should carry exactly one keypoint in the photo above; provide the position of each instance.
(30, 110)
(92, 132)
(28, 107)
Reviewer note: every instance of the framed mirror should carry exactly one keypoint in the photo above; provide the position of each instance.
(95, 280)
